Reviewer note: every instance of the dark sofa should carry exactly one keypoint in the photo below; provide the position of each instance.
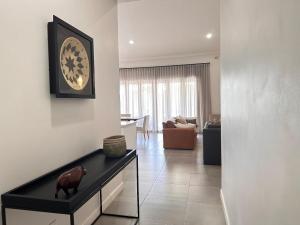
(212, 144)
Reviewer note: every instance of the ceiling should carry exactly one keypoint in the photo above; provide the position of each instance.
(162, 28)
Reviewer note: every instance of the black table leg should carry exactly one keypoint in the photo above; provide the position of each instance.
(101, 208)
(72, 219)
(3, 215)
(138, 194)
(137, 187)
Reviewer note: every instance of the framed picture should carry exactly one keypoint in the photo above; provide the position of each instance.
(71, 61)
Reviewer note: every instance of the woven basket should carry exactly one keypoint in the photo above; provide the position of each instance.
(114, 146)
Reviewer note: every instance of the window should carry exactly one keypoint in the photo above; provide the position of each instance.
(161, 92)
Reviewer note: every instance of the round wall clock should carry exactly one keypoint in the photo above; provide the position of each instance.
(74, 63)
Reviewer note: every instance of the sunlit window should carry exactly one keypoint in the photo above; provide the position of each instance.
(162, 99)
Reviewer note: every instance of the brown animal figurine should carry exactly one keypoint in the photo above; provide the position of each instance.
(70, 179)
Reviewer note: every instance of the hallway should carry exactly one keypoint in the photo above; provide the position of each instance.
(175, 187)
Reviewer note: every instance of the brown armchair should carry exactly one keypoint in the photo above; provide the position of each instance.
(179, 138)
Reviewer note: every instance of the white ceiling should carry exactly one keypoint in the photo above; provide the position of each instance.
(162, 28)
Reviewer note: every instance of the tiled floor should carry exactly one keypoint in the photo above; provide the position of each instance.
(175, 187)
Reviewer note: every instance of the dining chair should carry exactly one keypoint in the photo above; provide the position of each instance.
(145, 128)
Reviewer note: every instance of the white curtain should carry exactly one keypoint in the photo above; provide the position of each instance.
(165, 92)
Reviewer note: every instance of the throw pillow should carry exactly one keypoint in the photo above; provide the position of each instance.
(170, 124)
(180, 119)
(164, 125)
(193, 121)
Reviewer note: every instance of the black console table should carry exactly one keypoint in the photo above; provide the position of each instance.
(38, 195)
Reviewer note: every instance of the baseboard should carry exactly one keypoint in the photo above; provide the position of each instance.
(112, 195)
(224, 208)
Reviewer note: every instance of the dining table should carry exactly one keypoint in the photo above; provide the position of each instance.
(131, 118)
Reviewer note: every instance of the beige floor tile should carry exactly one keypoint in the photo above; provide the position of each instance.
(174, 178)
(146, 222)
(214, 171)
(205, 180)
(202, 214)
(163, 213)
(123, 206)
(175, 188)
(108, 220)
(205, 195)
(151, 166)
(130, 190)
(184, 160)
(144, 175)
(168, 192)
(182, 168)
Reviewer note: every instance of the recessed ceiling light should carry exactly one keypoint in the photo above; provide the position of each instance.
(209, 35)
(131, 42)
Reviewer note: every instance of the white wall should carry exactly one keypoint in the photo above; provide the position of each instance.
(211, 58)
(260, 111)
(215, 78)
(37, 132)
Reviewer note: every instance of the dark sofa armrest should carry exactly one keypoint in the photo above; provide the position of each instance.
(212, 146)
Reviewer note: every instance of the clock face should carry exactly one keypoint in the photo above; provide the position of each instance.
(74, 63)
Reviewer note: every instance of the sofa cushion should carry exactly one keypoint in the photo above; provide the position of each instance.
(193, 121)
(180, 119)
(188, 125)
(169, 124)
